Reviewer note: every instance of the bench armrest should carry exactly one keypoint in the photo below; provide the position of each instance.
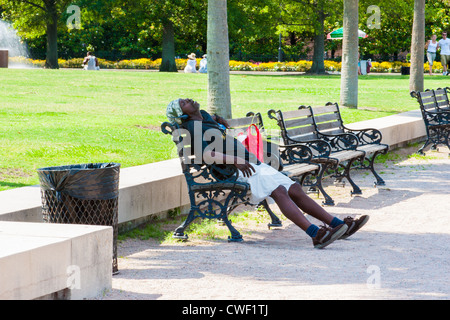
(319, 148)
(296, 153)
(341, 141)
(211, 173)
(367, 136)
(440, 117)
(167, 128)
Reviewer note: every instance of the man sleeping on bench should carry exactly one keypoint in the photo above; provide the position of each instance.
(264, 180)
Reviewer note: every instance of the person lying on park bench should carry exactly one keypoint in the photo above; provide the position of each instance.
(264, 180)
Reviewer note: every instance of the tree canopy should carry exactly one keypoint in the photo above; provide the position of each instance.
(119, 29)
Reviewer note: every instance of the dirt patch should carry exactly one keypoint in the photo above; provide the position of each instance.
(149, 127)
(14, 173)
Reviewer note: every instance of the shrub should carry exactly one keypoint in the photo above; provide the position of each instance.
(297, 66)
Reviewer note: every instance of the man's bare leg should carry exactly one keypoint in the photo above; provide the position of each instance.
(308, 205)
(289, 208)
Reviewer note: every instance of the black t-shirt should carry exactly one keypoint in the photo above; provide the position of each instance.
(208, 135)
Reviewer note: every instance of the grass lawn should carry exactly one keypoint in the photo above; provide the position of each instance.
(60, 117)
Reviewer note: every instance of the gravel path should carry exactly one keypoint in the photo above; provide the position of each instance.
(402, 252)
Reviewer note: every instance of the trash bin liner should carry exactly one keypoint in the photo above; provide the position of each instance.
(82, 194)
(405, 71)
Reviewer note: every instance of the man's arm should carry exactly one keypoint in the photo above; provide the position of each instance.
(241, 164)
(221, 120)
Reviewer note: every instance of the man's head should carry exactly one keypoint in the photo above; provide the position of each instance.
(444, 35)
(181, 109)
(189, 106)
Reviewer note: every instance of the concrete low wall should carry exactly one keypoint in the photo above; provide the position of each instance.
(44, 260)
(397, 130)
(156, 188)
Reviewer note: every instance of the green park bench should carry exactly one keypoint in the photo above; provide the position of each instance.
(328, 122)
(435, 109)
(331, 150)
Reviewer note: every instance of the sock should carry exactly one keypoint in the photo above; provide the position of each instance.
(312, 230)
(336, 222)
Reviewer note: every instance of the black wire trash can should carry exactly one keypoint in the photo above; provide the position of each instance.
(82, 194)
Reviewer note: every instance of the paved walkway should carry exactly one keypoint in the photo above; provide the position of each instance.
(402, 253)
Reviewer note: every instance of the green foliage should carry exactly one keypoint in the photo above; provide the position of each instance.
(123, 29)
(394, 34)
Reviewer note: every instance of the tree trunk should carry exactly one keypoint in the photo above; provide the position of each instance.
(318, 65)
(219, 98)
(51, 61)
(168, 48)
(416, 80)
(349, 72)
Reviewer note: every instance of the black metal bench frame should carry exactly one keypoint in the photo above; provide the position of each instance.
(328, 122)
(337, 152)
(214, 191)
(435, 109)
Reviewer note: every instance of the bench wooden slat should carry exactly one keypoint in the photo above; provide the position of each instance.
(296, 114)
(332, 131)
(299, 169)
(327, 125)
(304, 137)
(326, 117)
(324, 109)
(372, 148)
(300, 131)
(429, 107)
(426, 94)
(242, 122)
(298, 122)
(346, 155)
(428, 100)
(441, 97)
(234, 132)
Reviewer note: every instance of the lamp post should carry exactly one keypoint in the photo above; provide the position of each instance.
(280, 51)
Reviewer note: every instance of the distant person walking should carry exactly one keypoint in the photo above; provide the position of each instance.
(203, 65)
(431, 47)
(90, 62)
(444, 44)
(191, 65)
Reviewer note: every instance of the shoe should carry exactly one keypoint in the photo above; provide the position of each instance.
(354, 225)
(444, 73)
(326, 235)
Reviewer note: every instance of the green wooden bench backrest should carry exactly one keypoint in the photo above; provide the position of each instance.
(239, 125)
(303, 124)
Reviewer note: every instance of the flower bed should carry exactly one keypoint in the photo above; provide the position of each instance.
(299, 66)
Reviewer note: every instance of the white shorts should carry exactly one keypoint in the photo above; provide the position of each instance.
(264, 181)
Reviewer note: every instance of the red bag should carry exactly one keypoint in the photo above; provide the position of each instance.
(254, 143)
